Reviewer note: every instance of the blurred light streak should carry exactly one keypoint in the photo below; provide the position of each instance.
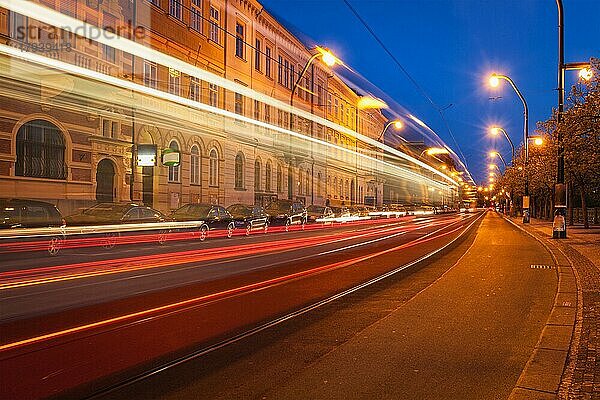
(199, 301)
(54, 18)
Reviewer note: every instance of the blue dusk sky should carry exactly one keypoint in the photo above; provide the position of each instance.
(449, 47)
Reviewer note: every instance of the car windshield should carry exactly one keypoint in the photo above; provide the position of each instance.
(281, 206)
(195, 210)
(240, 211)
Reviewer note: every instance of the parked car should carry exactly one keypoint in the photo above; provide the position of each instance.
(359, 211)
(249, 218)
(209, 217)
(287, 213)
(20, 213)
(315, 213)
(116, 213)
(16, 214)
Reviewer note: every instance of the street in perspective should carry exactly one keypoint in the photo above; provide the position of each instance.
(299, 199)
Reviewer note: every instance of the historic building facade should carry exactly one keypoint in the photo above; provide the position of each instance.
(74, 157)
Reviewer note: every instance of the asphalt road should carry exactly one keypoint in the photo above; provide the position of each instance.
(98, 316)
(462, 327)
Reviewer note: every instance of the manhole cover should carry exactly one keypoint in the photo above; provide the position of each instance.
(538, 266)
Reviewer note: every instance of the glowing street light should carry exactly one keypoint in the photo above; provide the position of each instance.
(434, 151)
(494, 154)
(496, 130)
(328, 59)
(397, 124)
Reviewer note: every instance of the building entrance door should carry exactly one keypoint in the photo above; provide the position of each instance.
(105, 181)
(148, 186)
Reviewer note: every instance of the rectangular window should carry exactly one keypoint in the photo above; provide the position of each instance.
(18, 27)
(336, 108)
(196, 15)
(257, 55)
(213, 95)
(286, 72)
(292, 77)
(215, 22)
(239, 104)
(150, 74)
(280, 70)
(268, 61)
(239, 40)
(320, 93)
(175, 9)
(195, 89)
(256, 110)
(174, 82)
(267, 113)
(108, 54)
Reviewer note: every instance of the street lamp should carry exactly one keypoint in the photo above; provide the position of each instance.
(494, 154)
(433, 151)
(559, 226)
(495, 130)
(328, 59)
(397, 126)
(494, 82)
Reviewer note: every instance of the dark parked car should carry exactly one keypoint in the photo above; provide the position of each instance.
(116, 213)
(249, 218)
(319, 212)
(287, 213)
(209, 217)
(19, 213)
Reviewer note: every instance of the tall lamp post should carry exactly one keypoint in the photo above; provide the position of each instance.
(495, 130)
(494, 82)
(397, 125)
(559, 226)
(494, 153)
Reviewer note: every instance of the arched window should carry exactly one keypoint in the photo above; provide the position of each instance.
(195, 165)
(307, 182)
(341, 188)
(257, 174)
(174, 170)
(40, 151)
(318, 184)
(268, 177)
(347, 189)
(239, 171)
(279, 178)
(213, 167)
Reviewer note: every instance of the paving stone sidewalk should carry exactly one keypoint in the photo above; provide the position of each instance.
(581, 378)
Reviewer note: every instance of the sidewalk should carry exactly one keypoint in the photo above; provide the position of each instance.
(581, 249)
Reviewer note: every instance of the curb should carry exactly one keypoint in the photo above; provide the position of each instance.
(542, 376)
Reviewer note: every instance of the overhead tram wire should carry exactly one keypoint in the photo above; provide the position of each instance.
(410, 78)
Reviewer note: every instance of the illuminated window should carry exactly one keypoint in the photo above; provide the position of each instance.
(174, 170)
(195, 89)
(174, 81)
(195, 165)
(213, 167)
(150, 74)
(213, 95)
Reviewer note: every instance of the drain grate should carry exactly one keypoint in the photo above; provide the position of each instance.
(538, 266)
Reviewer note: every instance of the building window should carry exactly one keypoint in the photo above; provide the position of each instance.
(196, 15)
(213, 95)
(174, 82)
(110, 129)
(108, 54)
(280, 70)
(155, 2)
(19, 27)
(195, 165)
(150, 74)
(318, 184)
(286, 73)
(300, 181)
(175, 9)
(268, 176)
(292, 77)
(195, 89)
(239, 171)
(256, 110)
(268, 62)
(257, 54)
(257, 176)
(267, 113)
(174, 170)
(307, 182)
(40, 151)
(320, 93)
(215, 19)
(213, 167)
(279, 178)
(239, 104)
(240, 38)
